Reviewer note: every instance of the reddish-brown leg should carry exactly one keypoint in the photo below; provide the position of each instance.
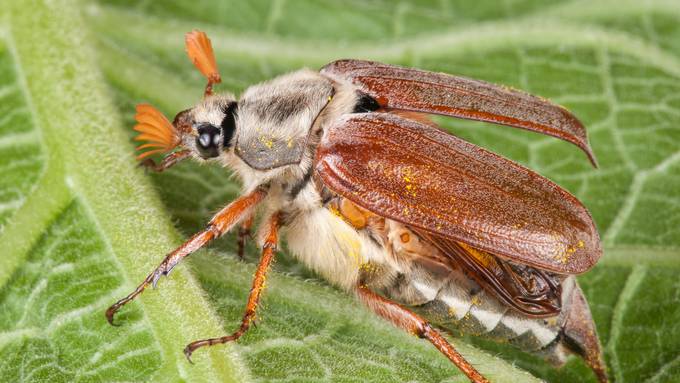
(243, 234)
(222, 222)
(268, 252)
(167, 162)
(414, 324)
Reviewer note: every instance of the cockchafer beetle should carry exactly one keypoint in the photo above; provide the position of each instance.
(428, 230)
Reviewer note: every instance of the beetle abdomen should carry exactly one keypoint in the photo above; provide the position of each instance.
(407, 268)
(419, 276)
(483, 315)
(457, 303)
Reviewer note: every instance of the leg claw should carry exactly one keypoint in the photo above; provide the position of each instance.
(187, 353)
(157, 275)
(110, 312)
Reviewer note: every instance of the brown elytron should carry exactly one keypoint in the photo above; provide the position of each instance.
(422, 226)
(416, 174)
(422, 91)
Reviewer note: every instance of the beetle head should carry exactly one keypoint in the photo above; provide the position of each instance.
(205, 131)
(208, 129)
(267, 129)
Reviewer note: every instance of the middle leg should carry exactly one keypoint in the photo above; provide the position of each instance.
(268, 252)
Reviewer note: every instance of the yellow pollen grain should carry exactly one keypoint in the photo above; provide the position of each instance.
(267, 142)
(351, 244)
(410, 182)
(562, 254)
(368, 267)
(335, 211)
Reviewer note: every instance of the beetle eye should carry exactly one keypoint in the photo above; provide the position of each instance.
(208, 141)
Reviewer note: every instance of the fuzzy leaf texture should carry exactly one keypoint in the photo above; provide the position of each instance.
(80, 225)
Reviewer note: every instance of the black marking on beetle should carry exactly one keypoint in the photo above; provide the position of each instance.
(564, 339)
(399, 281)
(572, 344)
(365, 104)
(374, 237)
(285, 107)
(325, 194)
(281, 108)
(297, 188)
(228, 124)
(286, 217)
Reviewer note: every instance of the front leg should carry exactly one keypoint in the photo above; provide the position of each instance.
(414, 324)
(268, 252)
(222, 222)
(167, 162)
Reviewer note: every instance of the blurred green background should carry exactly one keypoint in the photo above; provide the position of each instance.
(80, 225)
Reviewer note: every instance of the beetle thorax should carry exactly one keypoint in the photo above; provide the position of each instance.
(275, 119)
(279, 124)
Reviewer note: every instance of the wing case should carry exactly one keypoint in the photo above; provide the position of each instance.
(396, 87)
(421, 176)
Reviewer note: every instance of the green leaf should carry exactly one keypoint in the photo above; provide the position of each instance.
(80, 226)
(87, 229)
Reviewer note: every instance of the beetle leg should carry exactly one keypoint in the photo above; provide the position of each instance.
(268, 252)
(222, 222)
(167, 162)
(414, 324)
(243, 234)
